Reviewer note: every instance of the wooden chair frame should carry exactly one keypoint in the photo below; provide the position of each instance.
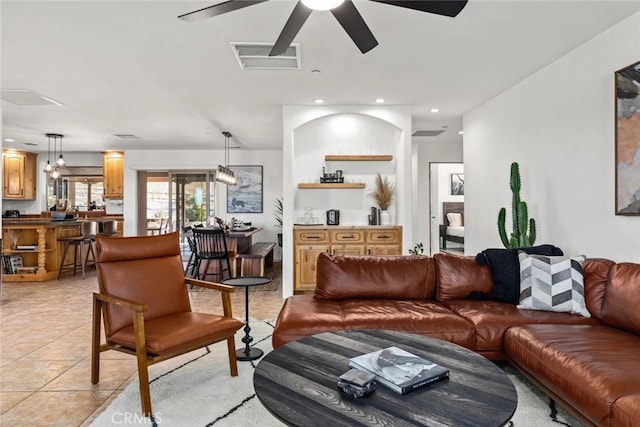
(144, 358)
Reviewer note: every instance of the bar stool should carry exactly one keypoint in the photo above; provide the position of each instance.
(109, 228)
(89, 231)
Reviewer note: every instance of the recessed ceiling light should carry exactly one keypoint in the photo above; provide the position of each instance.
(9, 140)
(319, 101)
(461, 133)
(435, 110)
(316, 72)
(379, 100)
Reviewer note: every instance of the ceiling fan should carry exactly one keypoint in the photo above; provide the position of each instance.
(344, 11)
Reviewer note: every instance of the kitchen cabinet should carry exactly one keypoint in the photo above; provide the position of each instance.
(19, 175)
(310, 241)
(113, 174)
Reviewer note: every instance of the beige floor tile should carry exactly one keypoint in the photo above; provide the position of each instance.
(56, 408)
(9, 399)
(113, 373)
(25, 375)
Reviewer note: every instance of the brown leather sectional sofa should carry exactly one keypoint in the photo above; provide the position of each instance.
(591, 366)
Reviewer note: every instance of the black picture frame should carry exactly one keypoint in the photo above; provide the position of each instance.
(457, 184)
(247, 195)
(627, 141)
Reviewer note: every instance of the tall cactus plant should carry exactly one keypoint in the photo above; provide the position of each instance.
(523, 228)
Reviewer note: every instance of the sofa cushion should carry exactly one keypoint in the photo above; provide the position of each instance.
(421, 317)
(588, 367)
(505, 271)
(391, 277)
(459, 276)
(596, 275)
(491, 319)
(622, 297)
(303, 315)
(626, 411)
(552, 283)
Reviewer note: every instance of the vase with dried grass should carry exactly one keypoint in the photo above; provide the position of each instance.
(383, 195)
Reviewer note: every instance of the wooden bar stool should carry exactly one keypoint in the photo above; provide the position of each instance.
(87, 238)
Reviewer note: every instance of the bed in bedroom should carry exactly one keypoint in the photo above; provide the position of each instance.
(452, 227)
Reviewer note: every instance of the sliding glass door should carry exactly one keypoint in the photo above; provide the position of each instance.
(192, 199)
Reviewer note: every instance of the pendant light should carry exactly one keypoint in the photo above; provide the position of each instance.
(52, 169)
(224, 174)
(60, 161)
(48, 168)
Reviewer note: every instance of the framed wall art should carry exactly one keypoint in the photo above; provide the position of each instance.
(457, 184)
(246, 195)
(627, 86)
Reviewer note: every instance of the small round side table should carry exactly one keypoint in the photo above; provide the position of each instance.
(247, 353)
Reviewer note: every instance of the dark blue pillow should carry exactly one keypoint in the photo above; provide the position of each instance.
(505, 271)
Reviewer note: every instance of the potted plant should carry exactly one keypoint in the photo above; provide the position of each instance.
(523, 232)
(277, 213)
(383, 195)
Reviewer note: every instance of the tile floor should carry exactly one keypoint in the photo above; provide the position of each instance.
(45, 340)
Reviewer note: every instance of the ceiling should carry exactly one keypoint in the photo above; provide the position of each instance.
(132, 67)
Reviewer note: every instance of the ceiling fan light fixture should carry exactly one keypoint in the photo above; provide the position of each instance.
(322, 4)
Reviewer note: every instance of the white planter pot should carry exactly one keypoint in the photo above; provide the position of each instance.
(385, 218)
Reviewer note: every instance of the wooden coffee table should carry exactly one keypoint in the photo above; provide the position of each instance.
(297, 383)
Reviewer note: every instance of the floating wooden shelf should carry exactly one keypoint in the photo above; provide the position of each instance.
(358, 158)
(333, 185)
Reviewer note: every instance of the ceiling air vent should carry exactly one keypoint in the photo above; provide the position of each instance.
(427, 132)
(126, 136)
(27, 97)
(255, 56)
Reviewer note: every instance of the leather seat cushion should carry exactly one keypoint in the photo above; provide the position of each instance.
(492, 318)
(626, 411)
(421, 317)
(588, 366)
(302, 316)
(168, 333)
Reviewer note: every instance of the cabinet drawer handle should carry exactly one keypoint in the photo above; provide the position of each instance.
(350, 236)
(384, 236)
(312, 237)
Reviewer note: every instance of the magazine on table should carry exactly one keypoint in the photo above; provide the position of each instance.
(400, 370)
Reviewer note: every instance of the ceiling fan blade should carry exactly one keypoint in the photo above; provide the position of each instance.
(218, 9)
(352, 22)
(439, 7)
(291, 28)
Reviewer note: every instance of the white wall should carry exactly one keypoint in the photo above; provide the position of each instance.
(163, 160)
(558, 125)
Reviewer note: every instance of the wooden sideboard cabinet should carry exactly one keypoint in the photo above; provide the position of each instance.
(19, 175)
(113, 174)
(310, 241)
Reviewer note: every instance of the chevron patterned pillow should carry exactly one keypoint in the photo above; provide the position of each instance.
(552, 283)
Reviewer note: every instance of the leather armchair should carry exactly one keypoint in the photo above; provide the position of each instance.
(147, 313)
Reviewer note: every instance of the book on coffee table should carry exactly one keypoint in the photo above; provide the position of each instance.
(399, 370)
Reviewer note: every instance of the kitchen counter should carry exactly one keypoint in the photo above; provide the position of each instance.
(41, 262)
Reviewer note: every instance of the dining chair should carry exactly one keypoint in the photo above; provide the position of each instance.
(144, 305)
(190, 266)
(211, 245)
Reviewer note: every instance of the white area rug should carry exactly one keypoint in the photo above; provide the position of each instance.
(197, 390)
